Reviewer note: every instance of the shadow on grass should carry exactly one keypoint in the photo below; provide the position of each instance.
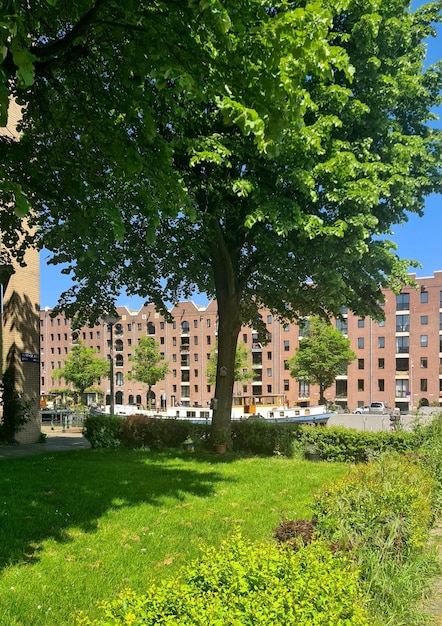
(41, 497)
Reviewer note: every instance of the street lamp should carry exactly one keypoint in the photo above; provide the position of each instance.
(111, 320)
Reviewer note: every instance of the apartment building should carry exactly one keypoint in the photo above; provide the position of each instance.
(399, 360)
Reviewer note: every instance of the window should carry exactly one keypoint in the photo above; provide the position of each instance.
(174, 358)
(361, 384)
(195, 341)
(195, 356)
(341, 388)
(286, 384)
(401, 388)
(195, 373)
(304, 327)
(381, 324)
(402, 323)
(381, 364)
(269, 319)
(424, 300)
(424, 320)
(360, 364)
(257, 358)
(119, 379)
(185, 327)
(174, 341)
(269, 388)
(440, 321)
(269, 356)
(424, 384)
(304, 389)
(269, 371)
(360, 343)
(342, 325)
(424, 362)
(286, 328)
(162, 341)
(286, 365)
(208, 326)
(381, 384)
(119, 360)
(286, 346)
(195, 323)
(119, 345)
(118, 329)
(185, 376)
(161, 325)
(424, 341)
(174, 373)
(139, 326)
(208, 340)
(403, 302)
(361, 323)
(244, 338)
(402, 345)
(195, 388)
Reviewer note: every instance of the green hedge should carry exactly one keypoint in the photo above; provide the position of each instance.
(142, 431)
(347, 445)
(262, 437)
(241, 583)
(103, 431)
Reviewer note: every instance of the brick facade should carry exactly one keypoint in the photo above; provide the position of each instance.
(399, 360)
(19, 319)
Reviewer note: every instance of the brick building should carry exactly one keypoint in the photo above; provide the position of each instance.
(19, 323)
(399, 360)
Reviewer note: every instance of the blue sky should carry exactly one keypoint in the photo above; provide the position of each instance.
(419, 238)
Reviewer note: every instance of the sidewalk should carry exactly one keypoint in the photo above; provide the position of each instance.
(57, 440)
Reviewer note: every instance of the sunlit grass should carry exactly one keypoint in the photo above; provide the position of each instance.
(77, 527)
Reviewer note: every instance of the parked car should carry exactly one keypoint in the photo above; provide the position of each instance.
(374, 407)
(362, 409)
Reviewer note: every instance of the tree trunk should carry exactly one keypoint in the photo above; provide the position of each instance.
(228, 329)
(228, 295)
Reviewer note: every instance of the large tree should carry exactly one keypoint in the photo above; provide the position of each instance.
(148, 365)
(323, 354)
(264, 176)
(82, 367)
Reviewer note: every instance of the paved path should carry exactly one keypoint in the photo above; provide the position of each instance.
(71, 439)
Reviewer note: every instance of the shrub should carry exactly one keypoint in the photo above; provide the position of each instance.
(263, 437)
(241, 583)
(141, 431)
(103, 431)
(351, 446)
(384, 506)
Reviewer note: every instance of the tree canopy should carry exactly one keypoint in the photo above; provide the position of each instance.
(82, 367)
(149, 366)
(258, 152)
(243, 364)
(323, 354)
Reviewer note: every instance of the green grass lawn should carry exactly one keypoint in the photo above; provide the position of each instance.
(77, 527)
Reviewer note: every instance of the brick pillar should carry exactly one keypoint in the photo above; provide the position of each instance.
(21, 340)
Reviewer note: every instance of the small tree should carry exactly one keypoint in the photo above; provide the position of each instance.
(148, 364)
(322, 355)
(82, 367)
(243, 365)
